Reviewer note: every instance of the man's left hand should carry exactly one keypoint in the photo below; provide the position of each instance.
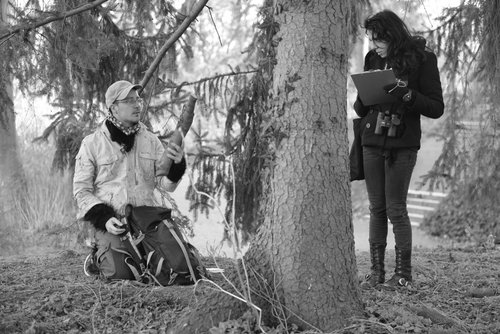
(175, 152)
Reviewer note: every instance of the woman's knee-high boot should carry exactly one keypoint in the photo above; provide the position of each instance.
(377, 275)
(402, 272)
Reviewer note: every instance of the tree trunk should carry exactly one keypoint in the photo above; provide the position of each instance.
(309, 218)
(12, 182)
(303, 257)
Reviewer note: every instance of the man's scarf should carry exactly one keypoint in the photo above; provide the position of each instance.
(126, 130)
(121, 134)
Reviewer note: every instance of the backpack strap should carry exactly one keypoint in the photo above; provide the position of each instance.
(145, 276)
(133, 269)
(130, 261)
(131, 244)
(158, 266)
(181, 245)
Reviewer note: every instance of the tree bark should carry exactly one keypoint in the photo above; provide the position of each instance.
(309, 218)
(303, 256)
(12, 182)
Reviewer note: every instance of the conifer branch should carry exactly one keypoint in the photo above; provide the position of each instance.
(215, 77)
(57, 17)
(173, 38)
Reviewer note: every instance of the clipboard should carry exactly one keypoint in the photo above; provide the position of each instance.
(370, 86)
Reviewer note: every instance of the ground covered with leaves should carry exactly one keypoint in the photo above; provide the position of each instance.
(456, 291)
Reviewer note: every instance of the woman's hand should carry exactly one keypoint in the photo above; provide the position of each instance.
(397, 89)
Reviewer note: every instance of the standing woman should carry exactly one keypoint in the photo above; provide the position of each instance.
(390, 147)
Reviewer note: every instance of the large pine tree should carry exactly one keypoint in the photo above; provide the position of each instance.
(301, 264)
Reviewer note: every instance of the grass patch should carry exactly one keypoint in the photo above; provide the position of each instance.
(45, 216)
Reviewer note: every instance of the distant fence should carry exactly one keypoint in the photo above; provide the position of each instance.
(468, 125)
(422, 203)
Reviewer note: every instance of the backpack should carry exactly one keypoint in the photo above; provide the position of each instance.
(158, 250)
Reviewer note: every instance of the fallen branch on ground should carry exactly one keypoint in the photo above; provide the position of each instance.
(481, 292)
(435, 316)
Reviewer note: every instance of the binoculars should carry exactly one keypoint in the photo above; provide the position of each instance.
(385, 120)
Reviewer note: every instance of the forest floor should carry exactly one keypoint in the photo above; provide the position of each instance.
(456, 290)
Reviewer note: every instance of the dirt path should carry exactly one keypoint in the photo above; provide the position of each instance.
(50, 294)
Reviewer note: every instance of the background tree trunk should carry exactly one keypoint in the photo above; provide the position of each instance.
(12, 182)
(302, 261)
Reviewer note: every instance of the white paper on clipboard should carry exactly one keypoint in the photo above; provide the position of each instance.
(370, 86)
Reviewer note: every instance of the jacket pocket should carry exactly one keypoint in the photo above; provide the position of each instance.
(107, 167)
(106, 160)
(147, 165)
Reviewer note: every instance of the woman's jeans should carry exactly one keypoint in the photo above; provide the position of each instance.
(387, 178)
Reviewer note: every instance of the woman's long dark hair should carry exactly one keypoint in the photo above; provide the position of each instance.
(404, 52)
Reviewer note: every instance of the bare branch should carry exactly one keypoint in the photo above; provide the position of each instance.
(60, 16)
(173, 38)
(215, 26)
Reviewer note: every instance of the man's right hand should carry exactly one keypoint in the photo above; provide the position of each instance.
(114, 226)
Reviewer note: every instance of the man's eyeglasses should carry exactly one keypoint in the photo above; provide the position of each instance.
(131, 100)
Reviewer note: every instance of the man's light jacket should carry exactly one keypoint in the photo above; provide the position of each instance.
(104, 173)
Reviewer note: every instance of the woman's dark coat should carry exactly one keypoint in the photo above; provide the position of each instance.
(427, 101)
